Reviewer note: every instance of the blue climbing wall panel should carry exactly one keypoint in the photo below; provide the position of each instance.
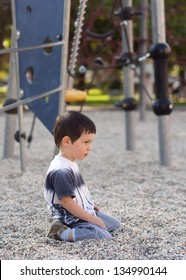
(39, 22)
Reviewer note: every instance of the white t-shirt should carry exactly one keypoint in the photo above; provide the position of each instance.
(64, 179)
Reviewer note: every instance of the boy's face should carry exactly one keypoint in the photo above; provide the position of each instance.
(79, 149)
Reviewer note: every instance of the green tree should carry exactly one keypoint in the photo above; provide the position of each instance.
(5, 34)
(176, 30)
(100, 18)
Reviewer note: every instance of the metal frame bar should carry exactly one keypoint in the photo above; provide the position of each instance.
(64, 56)
(19, 107)
(29, 99)
(26, 101)
(159, 36)
(128, 76)
(23, 49)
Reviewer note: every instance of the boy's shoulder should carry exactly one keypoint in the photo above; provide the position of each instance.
(60, 162)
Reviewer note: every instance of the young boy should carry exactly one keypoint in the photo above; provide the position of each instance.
(77, 217)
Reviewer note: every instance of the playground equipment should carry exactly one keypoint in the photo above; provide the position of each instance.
(72, 95)
(39, 67)
(45, 88)
(126, 13)
(159, 52)
(40, 61)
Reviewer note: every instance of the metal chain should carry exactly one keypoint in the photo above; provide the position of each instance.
(76, 40)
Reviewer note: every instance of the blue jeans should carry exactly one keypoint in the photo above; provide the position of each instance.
(85, 230)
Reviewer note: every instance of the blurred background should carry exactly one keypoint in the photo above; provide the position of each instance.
(100, 18)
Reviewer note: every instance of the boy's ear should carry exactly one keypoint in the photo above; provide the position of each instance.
(66, 140)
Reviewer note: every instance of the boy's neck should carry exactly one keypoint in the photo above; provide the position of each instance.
(64, 155)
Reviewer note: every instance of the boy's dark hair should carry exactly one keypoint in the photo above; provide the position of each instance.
(72, 124)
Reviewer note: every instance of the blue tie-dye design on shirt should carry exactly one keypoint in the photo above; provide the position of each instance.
(64, 179)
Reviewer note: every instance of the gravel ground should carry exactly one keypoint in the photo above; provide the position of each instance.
(147, 198)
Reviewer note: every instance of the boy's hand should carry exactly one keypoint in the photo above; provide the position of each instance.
(97, 221)
(71, 205)
(96, 208)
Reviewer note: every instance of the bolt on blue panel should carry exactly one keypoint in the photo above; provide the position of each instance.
(40, 22)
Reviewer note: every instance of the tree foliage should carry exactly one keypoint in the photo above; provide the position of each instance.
(100, 18)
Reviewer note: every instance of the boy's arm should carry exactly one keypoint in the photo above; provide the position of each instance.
(70, 204)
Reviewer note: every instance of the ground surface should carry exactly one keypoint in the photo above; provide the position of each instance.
(147, 198)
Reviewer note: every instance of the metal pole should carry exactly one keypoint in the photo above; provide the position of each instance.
(17, 88)
(64, 56)
(143, 50)
(26, 49)
(10, 119)
(128, 87)
(29, 99)
(159, 36)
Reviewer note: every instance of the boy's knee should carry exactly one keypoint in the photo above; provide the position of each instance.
(102, 233)
(117, 224)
